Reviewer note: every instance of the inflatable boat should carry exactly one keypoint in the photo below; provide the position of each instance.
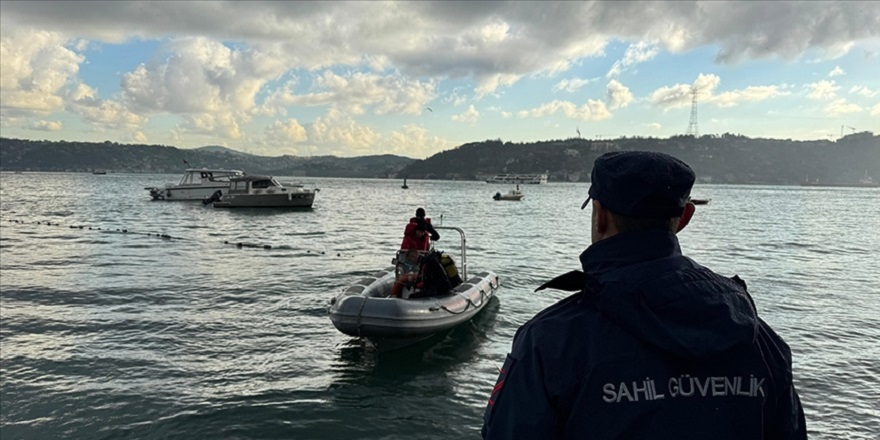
(365, 310)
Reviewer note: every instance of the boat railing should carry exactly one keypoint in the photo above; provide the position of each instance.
(463, 262)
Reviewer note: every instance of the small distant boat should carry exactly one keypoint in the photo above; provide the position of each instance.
(514, 194)
(99, 172)
(261, 192)
(865, 182)
(365, 309)
(196, 184)
(700, 201)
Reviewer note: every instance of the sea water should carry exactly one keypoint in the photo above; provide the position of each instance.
(121, 317)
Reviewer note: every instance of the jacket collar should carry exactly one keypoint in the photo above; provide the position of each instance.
(628, 248)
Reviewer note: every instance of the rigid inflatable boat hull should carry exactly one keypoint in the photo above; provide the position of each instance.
(364, 310)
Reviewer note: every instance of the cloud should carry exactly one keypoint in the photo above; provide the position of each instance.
(592, 110)
(47, 125)
(571, 85)
(470, 116)
(414, 141)
(750, 93)
(199, 75)
(836, 72)
(341, 134)
(636, 53)
(840, 107)
(424, 37)
(864, 91)
(37, 67)
(357, 92)
(680, 95)
(286, 132)
(655, 126)
(102, 112)
(618, 96)
(823, 90)
(875, 110)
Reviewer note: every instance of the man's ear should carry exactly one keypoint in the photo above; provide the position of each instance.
(686, 216)
(603, 219)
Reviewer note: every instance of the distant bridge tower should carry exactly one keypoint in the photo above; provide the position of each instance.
(692, 126)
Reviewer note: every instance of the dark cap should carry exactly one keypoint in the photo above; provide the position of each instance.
(641, 184)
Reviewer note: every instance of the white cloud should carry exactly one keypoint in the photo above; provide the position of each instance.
(875, 110)
(836, 72)
(286, 132)
(47, 125)
(139, 137)
(823, 90)
(36, 67)
(341, 134)
(571, 85)
(469, 116)
(750, 93)
(592, 110)
(490, 83)
(200, 76)
(103, 113)
(655, 126)
(356, 92)
(618, 95)
(636, 53)
(414, 141)
(840, 107)
(680, 95)
(864, 91)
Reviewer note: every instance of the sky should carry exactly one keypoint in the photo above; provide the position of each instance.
(418, 78)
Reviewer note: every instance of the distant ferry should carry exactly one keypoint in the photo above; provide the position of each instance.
(533, 179)
(865, 182)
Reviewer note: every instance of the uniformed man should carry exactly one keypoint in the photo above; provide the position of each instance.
(653, 345)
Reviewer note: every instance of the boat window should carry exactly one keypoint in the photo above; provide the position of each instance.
(239, 186)
(261, 184)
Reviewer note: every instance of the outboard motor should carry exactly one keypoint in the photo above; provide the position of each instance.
(214, 197)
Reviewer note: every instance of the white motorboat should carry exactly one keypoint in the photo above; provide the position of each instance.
(366, 310)
(196, 184)
(262, 192)
(514, 194)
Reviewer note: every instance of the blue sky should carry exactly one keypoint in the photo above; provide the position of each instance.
(417, 78)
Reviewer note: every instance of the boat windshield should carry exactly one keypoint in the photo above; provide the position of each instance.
(197, 177)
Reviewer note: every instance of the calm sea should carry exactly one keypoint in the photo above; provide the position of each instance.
(110, 331)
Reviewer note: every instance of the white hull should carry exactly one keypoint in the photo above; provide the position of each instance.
(177, 192)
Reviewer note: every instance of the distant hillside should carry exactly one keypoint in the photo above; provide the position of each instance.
(27, 155)
(721, 159)
(219, 149)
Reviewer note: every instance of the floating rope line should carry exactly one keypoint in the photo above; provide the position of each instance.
(239, 245)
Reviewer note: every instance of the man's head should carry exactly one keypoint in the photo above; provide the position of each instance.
(420, 212)
(638, 190)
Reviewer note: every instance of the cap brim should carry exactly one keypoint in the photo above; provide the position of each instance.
(585, 202)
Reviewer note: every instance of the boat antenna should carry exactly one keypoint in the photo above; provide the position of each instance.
(187, 163)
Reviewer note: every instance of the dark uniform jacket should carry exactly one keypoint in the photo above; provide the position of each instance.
(654, 346)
